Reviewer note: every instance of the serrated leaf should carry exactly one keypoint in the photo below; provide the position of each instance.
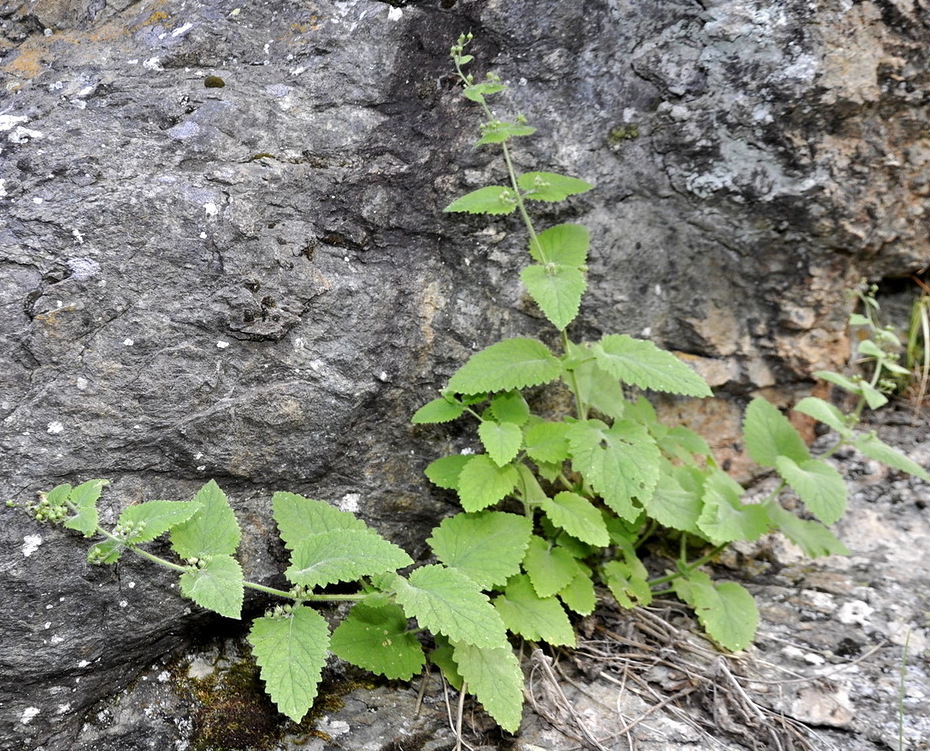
(874, 448)
(600, 389)
(643, 364)
(476, 92)
(107, 551)
(768, 434)
(487, 546)
(812, 537)
(628, 585)
(213, 530)
(725, 517)
(507, 365)
(495, 678)
(620, 462)
(550, 567)
(343, 555)
(549, 186)
(216, 585)
(502, 440)
(84, 497)
(441, 657)
(152, 519)
(533, 617)
(683, 444)
(819, 485)
(726, 610)
(873, 397)
(291, 652)
(493, 199)
(377, 639)
(577, 516)
(498, 132)
(446, 601)
(438, 411)
(298, 518)
(482, 483)
(444, 472)
(564, 244)
(510, 407)
(676, 502)
(579, 595)
(824, 412)
(557, 290)
(547, 441)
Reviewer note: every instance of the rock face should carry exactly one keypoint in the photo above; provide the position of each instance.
(222, 253)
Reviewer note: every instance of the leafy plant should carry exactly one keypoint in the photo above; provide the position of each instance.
(573, 498)
(553, 507)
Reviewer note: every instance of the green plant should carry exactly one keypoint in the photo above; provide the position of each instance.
(553, 506)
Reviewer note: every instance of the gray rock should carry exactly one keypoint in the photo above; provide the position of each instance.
(255, 283)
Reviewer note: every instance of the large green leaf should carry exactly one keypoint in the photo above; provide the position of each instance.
(343, 555)
(550, 567)
(146, 521)
(376, 638)
(291, 652)
(298, 517)
(444, 472)
(676, 502)
(620, 462)
(487, 546)
(768, 434)
(213, 530)
(502, 440)
(726, 610)
(549, 186)
(507, 365)
(494, 677)
(819, 485)
(438, 410)
(811, 536)
(824, 412)
(577, 516)
(546, 441)
(725, 517)
(557, 290)
(641, 363)
(532, 617)
(446, 601)
(216, 584)
(510, 407)
(482, 483)
(493, 199)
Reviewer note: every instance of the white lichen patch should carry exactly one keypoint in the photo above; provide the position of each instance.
(31, 544)
(55, 427)
(28, 715)
(350, 502)
(8, 122)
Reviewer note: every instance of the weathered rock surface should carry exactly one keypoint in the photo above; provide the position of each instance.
(254, 282)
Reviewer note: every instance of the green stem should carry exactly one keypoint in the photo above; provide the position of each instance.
(714, 552)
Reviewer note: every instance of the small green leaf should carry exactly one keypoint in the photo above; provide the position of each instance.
(498, 132)
(444, 472)
(476, 92)
(438, 410)
(819, 485)
(812, 537)
(768, 434)
(507, 365)
(107, 551)
(726, 610)
(502, 440)
(600, 389)
(441, 657)
(550, 567)
(533, 617)
(676, 502)
(343, 555)
(483, 483)
(298, 518)
(579, 594)
(628, 579)
(153, 518)
(531, 492)
(377, 639)
(724, 517)
(84, 497)
(557, 290)
(487, 546)
(213, 530)
(493, 199)
(641, 363)
(620, 462)
(495, 678)
(577, 516)
(446, 601)
(546, 441)
(874, 448)
(510, 407)
(564, 244)
(291, 652)
(824, 412)
(216, 584)
(549, 186)
(873, 397)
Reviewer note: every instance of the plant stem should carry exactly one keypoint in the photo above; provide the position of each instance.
(689, 567)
